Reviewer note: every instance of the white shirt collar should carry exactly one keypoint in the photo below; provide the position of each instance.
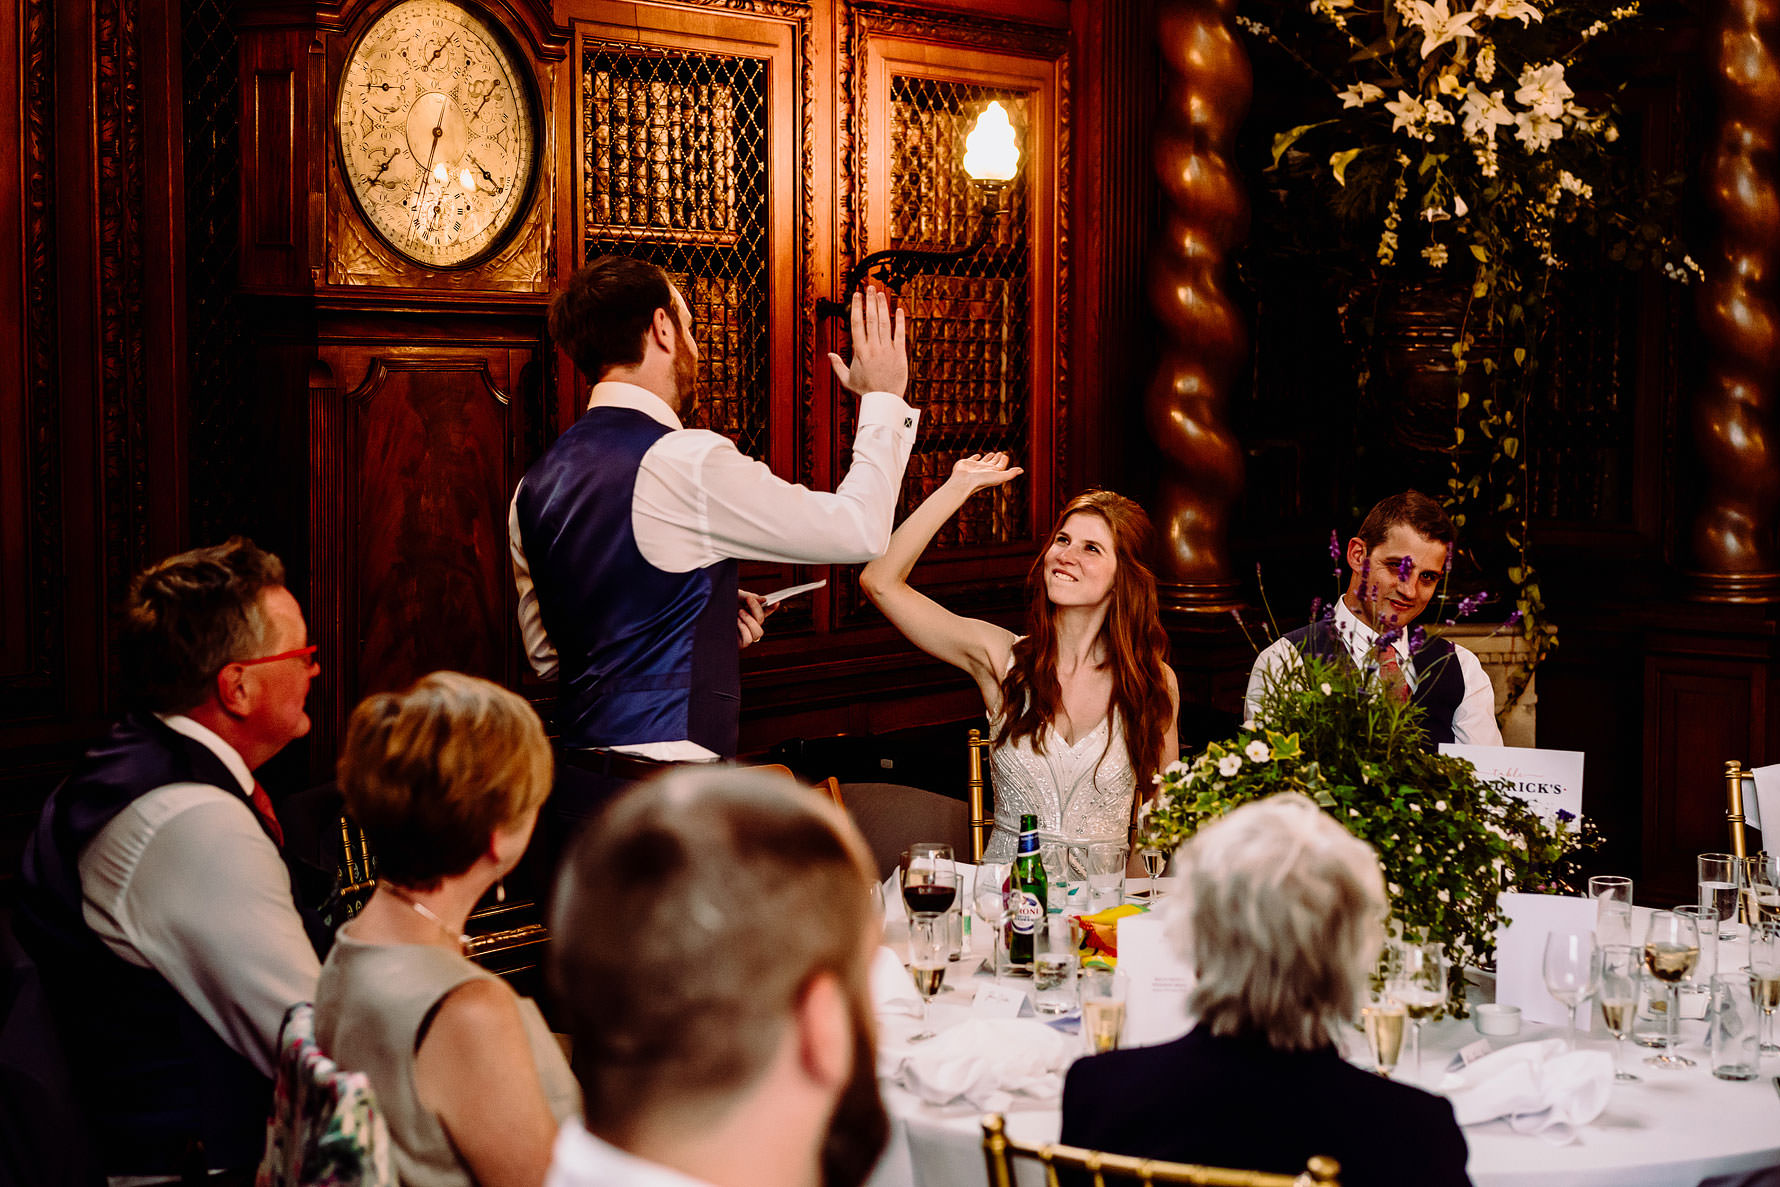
(1361, 639)
(179, 723)
(612, 393)
(580, 1159)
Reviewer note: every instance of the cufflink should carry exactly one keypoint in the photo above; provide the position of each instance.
(908, 422)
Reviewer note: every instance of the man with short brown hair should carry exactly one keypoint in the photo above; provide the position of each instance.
(713, 940)
(1397, 561)
(156, 896)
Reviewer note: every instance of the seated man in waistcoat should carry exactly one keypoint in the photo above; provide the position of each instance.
(156, 898)
(1398, 561)
(625, 534)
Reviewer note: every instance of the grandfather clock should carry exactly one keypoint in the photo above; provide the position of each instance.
(399, 196)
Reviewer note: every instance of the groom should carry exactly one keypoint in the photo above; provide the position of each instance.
(1397, 562)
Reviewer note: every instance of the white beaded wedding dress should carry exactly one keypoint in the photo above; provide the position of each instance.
(1080, 793)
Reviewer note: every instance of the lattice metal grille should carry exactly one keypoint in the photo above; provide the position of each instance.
(676, 173)
(1581, 420)
(222, 405)
(970, 324)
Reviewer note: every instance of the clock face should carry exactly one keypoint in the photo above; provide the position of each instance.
(437, 132)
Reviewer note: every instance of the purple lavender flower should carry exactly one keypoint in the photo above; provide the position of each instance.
(1389, 638)
(1446, 570)
(1328, 612)
(1469, 606)
(1564, 816)
(1417, 637)
(1405, 567)
(1512, 621)
(1335, 546)
(1316, 608)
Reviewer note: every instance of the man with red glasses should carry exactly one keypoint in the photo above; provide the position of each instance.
(171, 929)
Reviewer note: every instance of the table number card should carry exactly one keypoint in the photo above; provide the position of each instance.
(1520, 949)
(1158, 981)
(1761, 800)
(1548, 780)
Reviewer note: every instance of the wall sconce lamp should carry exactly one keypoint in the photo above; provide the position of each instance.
(991, 158)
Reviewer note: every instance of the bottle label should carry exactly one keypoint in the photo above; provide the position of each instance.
(1028, 912)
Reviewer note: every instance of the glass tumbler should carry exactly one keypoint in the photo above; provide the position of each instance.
(1718, 890)
(1734, 1029)
(1106, 875)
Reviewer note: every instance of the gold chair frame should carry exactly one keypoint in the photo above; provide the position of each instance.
(980, 824)
(1734, 774)
(999, 1152)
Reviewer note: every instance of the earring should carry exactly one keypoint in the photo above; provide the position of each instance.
(500, 890)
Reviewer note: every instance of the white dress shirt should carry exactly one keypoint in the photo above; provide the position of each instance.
(699, 500)
(185, 881)
(1473, 722)
(580, 1159)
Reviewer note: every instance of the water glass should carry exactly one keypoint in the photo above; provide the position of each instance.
(1053, 978)
(1058, 882)
(1734, 1029)
(988, 903)
(1622, 969)
(1103, 1010)
(1764, 977)
(1718, 890)
(1613, 909)
(1106, 875)
(1761, 888)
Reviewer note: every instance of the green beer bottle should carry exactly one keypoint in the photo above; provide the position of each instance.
(1026, 896)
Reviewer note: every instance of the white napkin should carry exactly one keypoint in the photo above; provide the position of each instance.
(984, 1063)
(1538, 1087)
(892, 989)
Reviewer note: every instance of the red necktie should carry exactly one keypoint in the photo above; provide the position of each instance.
(262, 804)
(1390, 674)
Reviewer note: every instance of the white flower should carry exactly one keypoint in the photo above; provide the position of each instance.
(1354, 812)
(1435, 214)
(1257, 751)
(1485, 66)
(1508, 10)
(1229, 765)
(1407, 112)
(1483, 113)
(1439, 805)
(1327, 690)
(1543, 89)
(1177, 767)
(1439, 24)
(1536, 131)
(1156, 780)
(1360, 94)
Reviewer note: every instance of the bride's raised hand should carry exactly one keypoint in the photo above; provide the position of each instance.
(979, 471)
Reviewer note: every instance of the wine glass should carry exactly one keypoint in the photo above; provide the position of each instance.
(1383, 1018)
(927, 963)
(1154, 860)
(1671, 950)
(1418, 980)
(1572, 971)
(929, 880)
(1764, 976)
(1621, 968)
(989, 902)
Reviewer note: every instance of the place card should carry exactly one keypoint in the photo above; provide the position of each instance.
(998, 1001)
(1158, 981)
(1470, 1053)
(1520, 949)
(1548, 780)
(1761, 799)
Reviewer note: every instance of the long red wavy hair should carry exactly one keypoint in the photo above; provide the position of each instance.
(1136, 645)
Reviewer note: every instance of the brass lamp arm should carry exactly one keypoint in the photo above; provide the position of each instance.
(901, 265)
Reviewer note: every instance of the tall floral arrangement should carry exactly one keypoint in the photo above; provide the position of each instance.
(1455, 142)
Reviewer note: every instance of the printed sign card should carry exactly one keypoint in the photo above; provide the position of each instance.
(1761, 799)
(1520, 949)
(1549, 781)
(1158, 981)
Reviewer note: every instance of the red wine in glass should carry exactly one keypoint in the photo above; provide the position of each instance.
(929, 898)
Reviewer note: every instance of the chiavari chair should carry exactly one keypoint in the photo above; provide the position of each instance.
(1000, 1152)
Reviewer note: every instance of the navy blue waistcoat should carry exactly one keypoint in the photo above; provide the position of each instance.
(1439, 681)
(162, 1089)
(646, 655)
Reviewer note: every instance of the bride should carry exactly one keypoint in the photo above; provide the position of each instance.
(1083, 708)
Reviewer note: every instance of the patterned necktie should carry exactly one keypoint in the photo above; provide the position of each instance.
(1390, 674)
(262, 804)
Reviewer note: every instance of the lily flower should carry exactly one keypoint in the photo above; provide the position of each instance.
(1508, 10)
(1439, 24)
(1407, 111)
(1483, 114)
(1543, 89)
(1360, 94)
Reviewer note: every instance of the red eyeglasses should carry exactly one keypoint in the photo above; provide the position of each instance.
(306, 654)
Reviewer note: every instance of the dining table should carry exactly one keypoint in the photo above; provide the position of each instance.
(1671, 1128)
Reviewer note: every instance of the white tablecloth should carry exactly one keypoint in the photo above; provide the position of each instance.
(1673, 1129)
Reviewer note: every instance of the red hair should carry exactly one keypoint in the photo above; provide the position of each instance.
(1136, 645)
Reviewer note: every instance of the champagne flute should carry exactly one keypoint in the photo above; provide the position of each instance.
(1572, 971)
(1419, 982)
(929, 879)
(927, 964)
(1621, 967)
(1384, 1018)
(989, 902)
(1764, 977)
(1671, 950)
(1103, 1010)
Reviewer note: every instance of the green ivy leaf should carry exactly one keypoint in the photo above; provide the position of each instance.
(1290, 137)
(1338, 163)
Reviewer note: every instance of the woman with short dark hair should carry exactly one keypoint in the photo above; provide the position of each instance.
(446, 779)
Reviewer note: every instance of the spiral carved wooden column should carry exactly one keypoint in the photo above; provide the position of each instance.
(1207, 84)
(1734, 536)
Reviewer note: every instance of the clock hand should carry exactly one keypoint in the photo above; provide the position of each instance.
(426, 174)
(493, 185)
(493, 87)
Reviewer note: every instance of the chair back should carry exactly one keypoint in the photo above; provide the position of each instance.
(325, 1130)
(1000, 1151)
(1734, 774)
(357, 868)
(981, 822)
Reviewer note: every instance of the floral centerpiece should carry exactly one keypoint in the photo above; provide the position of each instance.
(1448, 840)
(1456, 142)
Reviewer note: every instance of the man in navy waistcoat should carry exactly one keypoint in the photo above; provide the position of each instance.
(1397, 562)
(625, 535)
(170, 929)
